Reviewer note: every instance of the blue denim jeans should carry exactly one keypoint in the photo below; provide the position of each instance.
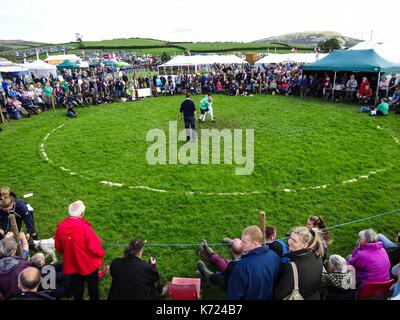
(16, 115)
(365, 109)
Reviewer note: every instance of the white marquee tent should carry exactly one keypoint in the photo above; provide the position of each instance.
(5, 62)
(193, 63)
(12, 68)
(57, 59)
(40, 68)
(388, 48)
(290, 57)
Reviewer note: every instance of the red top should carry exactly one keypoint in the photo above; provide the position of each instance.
(362, 88)
(80, 246)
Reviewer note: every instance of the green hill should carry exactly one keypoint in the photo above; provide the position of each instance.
(309, 38)
(7, 45)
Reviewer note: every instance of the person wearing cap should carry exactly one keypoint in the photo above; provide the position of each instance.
(133, 278)
(81, 250)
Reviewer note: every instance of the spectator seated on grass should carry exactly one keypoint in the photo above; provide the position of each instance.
(256, 273)
(133, 278)
(12, 109)
(71, 113)
(340, 279)
(391, 248)
(11, 265)
(395, 288)
(381, 110)
(370, 259)
(28, 282)
(306, 251)
(394, 100)
(224, 266)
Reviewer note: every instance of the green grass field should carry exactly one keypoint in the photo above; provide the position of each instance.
(299, 144)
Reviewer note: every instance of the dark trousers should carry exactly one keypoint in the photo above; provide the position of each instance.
(29, 223)
(78, 285)
(190, 122)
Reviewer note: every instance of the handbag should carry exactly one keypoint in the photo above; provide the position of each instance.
(295, 295)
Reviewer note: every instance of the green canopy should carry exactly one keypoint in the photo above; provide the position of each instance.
(353, 61)
(67, 64)
(122, 64)
(110, 63)
(94, 64)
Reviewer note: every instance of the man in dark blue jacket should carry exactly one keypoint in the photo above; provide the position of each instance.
(23, 213)
(188, 114)
(256, 273)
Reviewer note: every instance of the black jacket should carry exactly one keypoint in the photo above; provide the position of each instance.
(133, 279)
(33, 296)
(309, 267)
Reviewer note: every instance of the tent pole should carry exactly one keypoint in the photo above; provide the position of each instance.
(377, 88)
(333, 87)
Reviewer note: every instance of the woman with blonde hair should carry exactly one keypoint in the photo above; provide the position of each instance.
(306, 249)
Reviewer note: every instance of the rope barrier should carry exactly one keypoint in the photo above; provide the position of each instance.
(225, 244)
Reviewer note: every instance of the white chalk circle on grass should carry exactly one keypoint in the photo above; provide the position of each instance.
(42, 149)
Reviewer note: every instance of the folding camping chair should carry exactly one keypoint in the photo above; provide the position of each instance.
(375, 290)
(184, 289)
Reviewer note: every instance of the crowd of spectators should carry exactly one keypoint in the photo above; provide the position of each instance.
(101, 85)
(262, 267)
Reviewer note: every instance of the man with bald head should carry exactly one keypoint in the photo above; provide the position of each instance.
(225, 266)
(28, 282)
(82, 251)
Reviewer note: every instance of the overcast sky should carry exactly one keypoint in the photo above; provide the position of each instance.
(188, 20)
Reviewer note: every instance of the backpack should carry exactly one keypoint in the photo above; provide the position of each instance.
(295, 295)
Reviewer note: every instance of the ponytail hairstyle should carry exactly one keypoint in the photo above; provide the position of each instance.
(313, 238)
(134, 247)
(319, 223)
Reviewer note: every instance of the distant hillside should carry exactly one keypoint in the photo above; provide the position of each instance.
(6, 45)
(311, 38)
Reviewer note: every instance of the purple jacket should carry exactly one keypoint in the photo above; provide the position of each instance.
(10, 268)
(371, 263)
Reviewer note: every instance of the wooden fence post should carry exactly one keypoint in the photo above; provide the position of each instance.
(262, 224)
(14, 229)
(1, 115)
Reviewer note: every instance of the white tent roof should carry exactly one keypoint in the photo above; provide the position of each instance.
(12, 68)
(84, 64)
(290, 57)
(39, 64)
(5, 62)
(388, 48)
(70, 57)
(40, 68)
(202, 60)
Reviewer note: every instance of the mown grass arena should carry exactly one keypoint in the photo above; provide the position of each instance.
(310, 157)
